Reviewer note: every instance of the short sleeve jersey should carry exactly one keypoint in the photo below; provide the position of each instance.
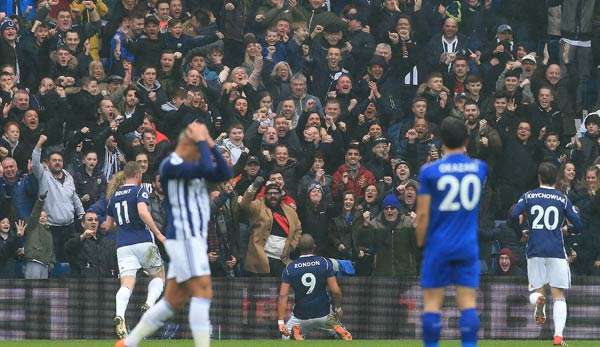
(122, 207)
(308, 276)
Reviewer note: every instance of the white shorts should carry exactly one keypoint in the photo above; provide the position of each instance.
(138, 256)
(325, 323)
(553, 271)
(189, 259)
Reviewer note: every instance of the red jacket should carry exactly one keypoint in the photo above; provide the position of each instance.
(338, 184)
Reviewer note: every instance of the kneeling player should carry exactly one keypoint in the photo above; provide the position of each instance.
(546, 209)
(310, 276)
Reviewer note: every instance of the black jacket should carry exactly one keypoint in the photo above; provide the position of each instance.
(95, 257)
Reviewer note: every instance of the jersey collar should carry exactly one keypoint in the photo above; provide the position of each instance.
(546, 187)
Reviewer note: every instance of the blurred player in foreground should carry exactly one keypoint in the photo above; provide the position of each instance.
(183, 176)
(128, 207)
(447, 225)
(310, 276)
(546, 209)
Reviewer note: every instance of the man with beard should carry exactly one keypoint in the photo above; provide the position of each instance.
(275, 230)
(484, 141)
(62, 203)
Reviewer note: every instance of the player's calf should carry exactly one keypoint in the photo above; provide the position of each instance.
(469, 325)
(432, 327)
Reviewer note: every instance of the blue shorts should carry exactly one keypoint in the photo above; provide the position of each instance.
(438, 272)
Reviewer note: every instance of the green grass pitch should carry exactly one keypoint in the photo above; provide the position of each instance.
(277, 343)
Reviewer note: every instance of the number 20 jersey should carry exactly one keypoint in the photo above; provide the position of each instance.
(308, 276)
(455, 184)
(546, 209)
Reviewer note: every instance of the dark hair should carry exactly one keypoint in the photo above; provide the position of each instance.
(453, 133)
(53, 152)
(547, 173)
(474, 79)
(501, 95)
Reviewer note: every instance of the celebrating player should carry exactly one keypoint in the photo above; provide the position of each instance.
(447, 223)
(183, 176)
(546, 209)
(128, 207)
(310, 276)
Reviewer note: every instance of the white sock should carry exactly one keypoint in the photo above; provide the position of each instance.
(122, 299)
(199, 321)
(155, 289)
(151, 321)
(559, 314)
(533, 297)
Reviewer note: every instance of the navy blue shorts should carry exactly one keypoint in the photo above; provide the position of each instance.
(437, 272)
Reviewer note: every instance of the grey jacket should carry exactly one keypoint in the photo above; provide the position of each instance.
(62, 203)
(576, 19)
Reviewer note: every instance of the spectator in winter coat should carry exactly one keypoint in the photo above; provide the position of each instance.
(396, 251)
(275, 230)
(90, 182)
(315, 215)
(92, 254)
(39, 249)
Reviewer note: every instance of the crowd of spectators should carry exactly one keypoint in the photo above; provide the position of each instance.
(326, 109)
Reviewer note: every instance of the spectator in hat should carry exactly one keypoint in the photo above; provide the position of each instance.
(379, 160)
(275, 230)
(396, 252)
(507, 264)
(250, 170)
(9, 55)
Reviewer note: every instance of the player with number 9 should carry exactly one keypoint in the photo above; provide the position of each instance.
(310, 276)
(546, 209)
(128, 209)
(447, 226)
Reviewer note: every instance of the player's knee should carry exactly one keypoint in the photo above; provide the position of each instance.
(432, 326)
(469, 324)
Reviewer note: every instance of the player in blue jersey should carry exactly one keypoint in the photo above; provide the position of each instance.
(184, 175)
(310, 276)
(447, 225)
(128, 209)
(545, 210)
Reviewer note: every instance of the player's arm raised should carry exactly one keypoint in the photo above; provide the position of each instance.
(282, 308)
(146, 217)
(422, 219)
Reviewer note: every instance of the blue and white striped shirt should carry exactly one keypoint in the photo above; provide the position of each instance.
(184, 183)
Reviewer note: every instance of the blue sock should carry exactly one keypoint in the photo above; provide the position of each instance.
(432, 327)
(469, 325)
